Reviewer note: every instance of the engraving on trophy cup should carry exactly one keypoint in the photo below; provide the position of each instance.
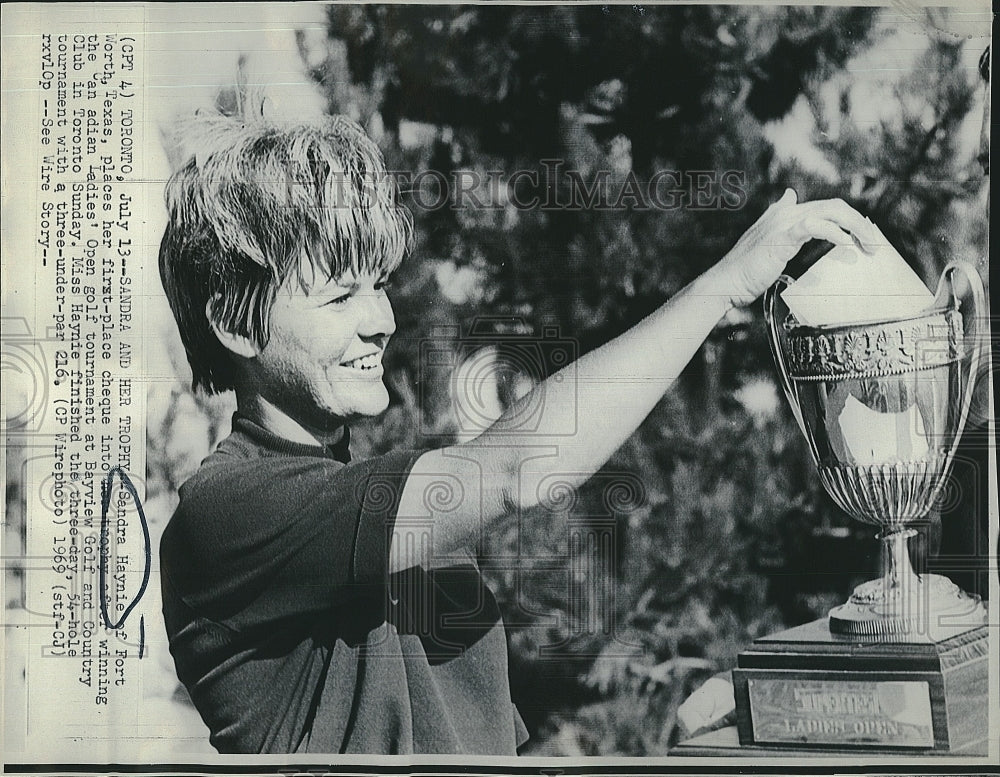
(882, 406)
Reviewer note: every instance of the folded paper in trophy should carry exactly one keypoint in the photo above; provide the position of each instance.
(848, 286)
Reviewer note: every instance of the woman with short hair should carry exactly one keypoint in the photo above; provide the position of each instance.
(320, 604)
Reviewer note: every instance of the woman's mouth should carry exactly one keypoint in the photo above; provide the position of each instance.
(372, 361)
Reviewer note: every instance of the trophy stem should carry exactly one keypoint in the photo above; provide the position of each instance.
(897, 571)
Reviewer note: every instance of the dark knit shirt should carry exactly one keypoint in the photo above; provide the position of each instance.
(290, 635)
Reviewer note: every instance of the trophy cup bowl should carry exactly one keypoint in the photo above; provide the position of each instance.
(882, 405)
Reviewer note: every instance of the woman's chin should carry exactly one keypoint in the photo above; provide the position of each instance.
(373, 405)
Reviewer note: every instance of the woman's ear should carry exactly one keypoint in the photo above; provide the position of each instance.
(231, 341)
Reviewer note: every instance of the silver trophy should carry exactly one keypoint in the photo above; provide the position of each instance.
(882, 405)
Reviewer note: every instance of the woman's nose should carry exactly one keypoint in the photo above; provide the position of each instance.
(378, 318)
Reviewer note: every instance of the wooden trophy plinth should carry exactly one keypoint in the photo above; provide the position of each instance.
(809, 688)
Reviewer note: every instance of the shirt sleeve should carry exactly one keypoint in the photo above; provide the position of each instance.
(273, 538)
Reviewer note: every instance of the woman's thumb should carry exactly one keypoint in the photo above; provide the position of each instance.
(787, 199)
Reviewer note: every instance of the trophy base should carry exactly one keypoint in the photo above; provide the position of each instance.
(811, 688)
(931, 605)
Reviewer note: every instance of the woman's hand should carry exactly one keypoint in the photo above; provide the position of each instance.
(760, 255)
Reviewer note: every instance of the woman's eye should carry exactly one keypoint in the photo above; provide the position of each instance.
(336, 301)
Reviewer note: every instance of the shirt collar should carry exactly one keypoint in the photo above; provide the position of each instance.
(339, 451)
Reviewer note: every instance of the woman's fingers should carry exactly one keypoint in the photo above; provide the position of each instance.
(824, 229)
(845, 217)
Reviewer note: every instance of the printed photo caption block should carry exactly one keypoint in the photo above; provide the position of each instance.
(80, 636)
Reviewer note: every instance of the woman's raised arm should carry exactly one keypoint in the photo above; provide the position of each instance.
(589, 408)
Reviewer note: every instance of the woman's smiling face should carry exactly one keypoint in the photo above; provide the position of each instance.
(322, 364)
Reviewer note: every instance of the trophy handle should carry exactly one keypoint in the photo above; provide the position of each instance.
(961, 289)
(776, 340)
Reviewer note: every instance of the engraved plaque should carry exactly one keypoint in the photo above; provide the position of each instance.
(841, 712)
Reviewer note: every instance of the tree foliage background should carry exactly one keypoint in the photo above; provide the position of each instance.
(708, 527)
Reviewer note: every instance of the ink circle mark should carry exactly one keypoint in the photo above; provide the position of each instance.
(107, 487)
